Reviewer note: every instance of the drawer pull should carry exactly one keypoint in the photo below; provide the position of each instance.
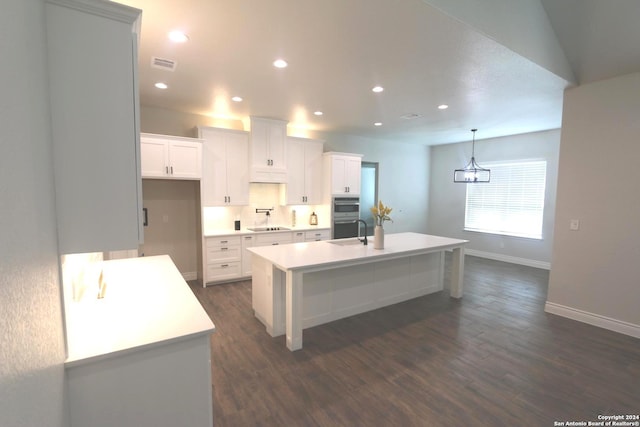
(224, 265)
(224, 241)
(275, 243)
(224, 249)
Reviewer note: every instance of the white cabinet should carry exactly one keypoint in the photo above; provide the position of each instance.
(92, 60)
(317, 235)
(225, 173)
(268, 150)
(304, 168)
(222, 258)
(170, 157)
(248, 241)
(342, 174)
(312, 235)
(145, 359)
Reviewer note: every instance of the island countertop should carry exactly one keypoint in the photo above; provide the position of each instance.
(147, 303)
(280, 272)
(322, 254)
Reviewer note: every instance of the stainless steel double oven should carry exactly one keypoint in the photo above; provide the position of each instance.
(345, 213)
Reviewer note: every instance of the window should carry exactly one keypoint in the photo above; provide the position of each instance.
(512, 203)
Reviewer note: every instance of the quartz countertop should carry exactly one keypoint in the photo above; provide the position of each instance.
(310, 255)
(243, 231)
(147, 303)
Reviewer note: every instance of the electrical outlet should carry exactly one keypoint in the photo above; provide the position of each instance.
(165, 218)
(574, 224)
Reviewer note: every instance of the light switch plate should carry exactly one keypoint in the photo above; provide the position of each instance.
(574, 224)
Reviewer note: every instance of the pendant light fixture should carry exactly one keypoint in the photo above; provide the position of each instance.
(473, 172)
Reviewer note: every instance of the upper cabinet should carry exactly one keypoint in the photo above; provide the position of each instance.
(342, 174)
(304, 168)
(225, 173)
(170, 157)
(92, 60)
(268, 150)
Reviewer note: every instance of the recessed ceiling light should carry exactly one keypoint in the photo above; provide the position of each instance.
(377, 89)
(161, 85)
(443, 107)
(178, 36)
(318, 113)
(280, 63)
(236, 99)
(377, 124)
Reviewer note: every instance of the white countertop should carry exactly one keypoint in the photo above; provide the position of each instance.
(243, 231)
(147, 303)
(310, 255)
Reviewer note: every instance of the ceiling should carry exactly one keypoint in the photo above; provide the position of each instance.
(423, 52)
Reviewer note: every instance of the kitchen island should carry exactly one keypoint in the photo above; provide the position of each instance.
(141, 354)
(301, 285)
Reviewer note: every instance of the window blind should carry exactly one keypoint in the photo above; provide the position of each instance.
(512, 203)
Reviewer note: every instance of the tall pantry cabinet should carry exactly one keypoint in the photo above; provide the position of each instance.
(92, 60)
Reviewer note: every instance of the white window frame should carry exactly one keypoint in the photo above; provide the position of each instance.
(512, 204)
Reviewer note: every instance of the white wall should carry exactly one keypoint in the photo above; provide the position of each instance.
(173, 208)
(596, 270)
(32, 391)
(447, 202)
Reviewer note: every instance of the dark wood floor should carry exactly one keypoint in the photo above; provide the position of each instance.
(493, 358)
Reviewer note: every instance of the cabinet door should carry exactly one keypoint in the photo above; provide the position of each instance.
(213, 187)
(339, 175)
(313, 172)
(352, 175)
(154, 158)
(94, 125)
(185, 160)
(268, 152)
(277, 144)
(248, 241)
(237, 167)
(295, 189)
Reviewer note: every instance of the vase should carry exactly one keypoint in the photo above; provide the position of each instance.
(378, 237)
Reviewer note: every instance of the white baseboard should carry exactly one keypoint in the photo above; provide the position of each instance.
(593, 319)
(511, 259)
(190, 275)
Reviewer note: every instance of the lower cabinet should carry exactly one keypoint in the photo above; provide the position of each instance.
(223, 258)
(226, 257)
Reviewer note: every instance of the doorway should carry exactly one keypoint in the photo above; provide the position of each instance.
(368, 193)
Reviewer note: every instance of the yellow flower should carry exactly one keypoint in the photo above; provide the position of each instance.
(381, 213)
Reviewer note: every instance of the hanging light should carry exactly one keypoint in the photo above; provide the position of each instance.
(473, 172)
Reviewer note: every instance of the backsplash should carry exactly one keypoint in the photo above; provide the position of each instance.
(262, 196)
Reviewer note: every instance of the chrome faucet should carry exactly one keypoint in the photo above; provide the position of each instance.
(364, 241)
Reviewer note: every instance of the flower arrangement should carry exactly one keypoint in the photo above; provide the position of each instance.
(381, 213)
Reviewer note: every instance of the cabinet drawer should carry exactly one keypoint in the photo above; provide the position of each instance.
(265, 239)
(316, 235)
(299, 236)
(223, 241)
(222, 271)
(223, 254)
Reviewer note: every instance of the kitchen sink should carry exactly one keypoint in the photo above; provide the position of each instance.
(346, 242)
(268, 229)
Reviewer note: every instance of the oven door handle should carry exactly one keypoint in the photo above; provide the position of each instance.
(346, 222)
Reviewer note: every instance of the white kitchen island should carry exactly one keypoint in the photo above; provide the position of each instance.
(300, 285)
(140, 356)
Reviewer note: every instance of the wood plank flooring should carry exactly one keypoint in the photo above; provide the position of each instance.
(493, 358)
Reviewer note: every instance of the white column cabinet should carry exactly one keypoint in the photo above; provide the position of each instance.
(304, 168)
(170, 157)
(268, 150)
(342, 174)
(92, 60)
(225, 173)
